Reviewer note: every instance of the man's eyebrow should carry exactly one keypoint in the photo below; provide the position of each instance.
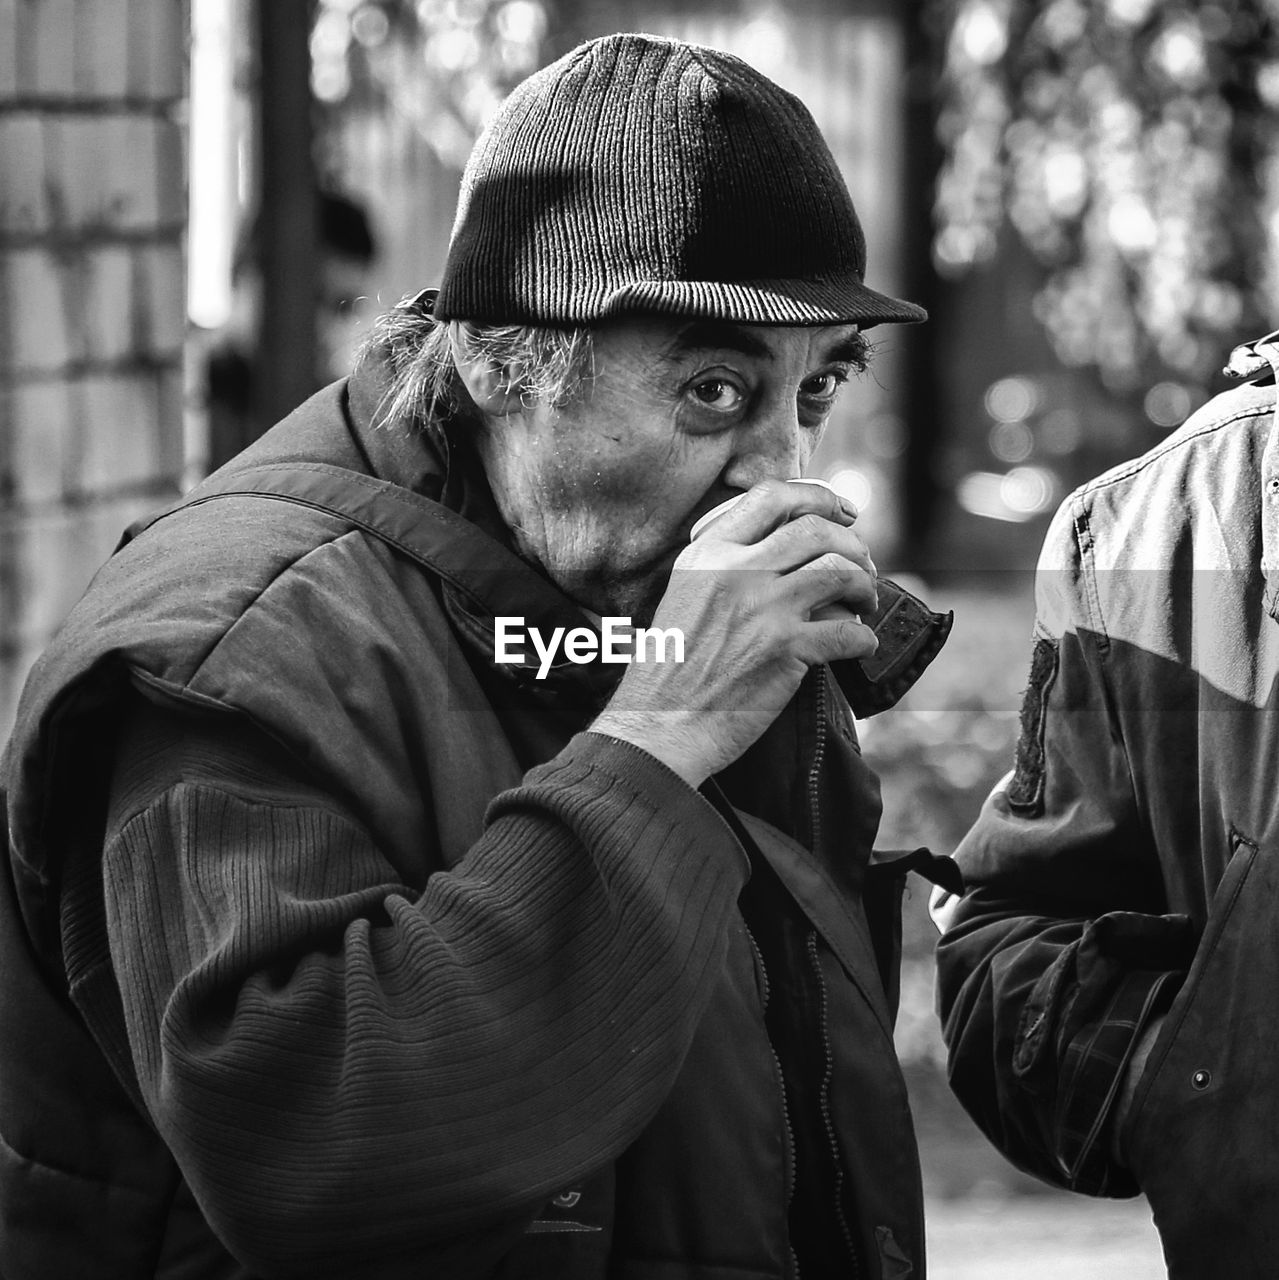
(851, 349)
(716, 335)
(722, 335)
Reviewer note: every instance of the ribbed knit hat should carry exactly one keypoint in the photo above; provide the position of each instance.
(644, 175)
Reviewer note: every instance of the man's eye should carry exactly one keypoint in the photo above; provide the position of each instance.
(824, 386)
(719, 394)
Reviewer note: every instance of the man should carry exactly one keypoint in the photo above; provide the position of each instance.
(418, 943)
(1107, 984)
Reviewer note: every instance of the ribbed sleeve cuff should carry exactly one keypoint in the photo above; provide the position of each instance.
(651, 783)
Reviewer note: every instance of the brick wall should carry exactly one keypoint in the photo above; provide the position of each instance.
(92, 211)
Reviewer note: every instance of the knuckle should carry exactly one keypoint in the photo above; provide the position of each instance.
(853, 544)
(818, 565)
(812, 529)
(852, 572)
(765, 495)
(835, 571)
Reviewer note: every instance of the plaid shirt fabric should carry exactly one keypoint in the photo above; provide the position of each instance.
(1079, 1028)
(1090, 1076)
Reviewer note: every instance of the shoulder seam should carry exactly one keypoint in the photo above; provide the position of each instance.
(281, 571)
(222, 789)
(331, 811)
(1125, 471)
(1084, 547)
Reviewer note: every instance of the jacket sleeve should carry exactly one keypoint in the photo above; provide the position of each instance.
(356, 1077)
(1061, 950)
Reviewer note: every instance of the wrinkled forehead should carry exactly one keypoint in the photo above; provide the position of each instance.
(765, 342)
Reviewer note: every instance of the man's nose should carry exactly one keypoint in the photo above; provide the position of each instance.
(771, 448)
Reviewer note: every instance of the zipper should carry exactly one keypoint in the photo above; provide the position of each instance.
(824, 1100)
(781, 1089)
(815, 830)
(819, 755)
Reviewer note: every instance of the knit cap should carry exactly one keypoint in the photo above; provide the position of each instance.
(644, 175)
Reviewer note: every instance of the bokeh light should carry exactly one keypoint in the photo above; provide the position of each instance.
(1131, 13)
(1167, 404)
(1011, 399)
(1131, 144)
(521, 22)
(370, 25)
(854, 484)
(1028, 491)
(1017, 496)
(1011, 441)
(444, 66)
(981, 32)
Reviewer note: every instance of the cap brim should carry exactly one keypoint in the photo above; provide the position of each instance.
(797, 302)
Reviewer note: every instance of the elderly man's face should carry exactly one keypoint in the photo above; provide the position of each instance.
(680, 415)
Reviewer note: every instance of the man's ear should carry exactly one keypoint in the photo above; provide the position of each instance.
(497, 389)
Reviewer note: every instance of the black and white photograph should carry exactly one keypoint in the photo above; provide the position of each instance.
(639, 640)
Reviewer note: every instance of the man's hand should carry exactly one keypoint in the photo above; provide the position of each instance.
(752, 596)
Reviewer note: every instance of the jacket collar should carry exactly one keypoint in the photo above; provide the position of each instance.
(445, 466)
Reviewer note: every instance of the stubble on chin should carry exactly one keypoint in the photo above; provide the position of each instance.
(613, 595)
(640, 601)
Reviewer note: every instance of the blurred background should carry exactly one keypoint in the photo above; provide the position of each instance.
(203, 203)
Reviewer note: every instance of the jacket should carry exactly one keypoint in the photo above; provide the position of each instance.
(1126, 868)
(334, 949)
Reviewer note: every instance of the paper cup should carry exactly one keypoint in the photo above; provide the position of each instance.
(715, 512)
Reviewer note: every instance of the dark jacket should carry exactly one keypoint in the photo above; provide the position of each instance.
(1127, 867)
(396, 971)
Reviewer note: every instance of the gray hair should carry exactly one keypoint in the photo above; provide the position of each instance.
(551, 364)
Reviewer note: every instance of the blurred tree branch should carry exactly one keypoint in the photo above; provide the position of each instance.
(1130, 143)
(444, 65)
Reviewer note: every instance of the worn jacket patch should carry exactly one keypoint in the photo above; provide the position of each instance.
(1026, 790)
